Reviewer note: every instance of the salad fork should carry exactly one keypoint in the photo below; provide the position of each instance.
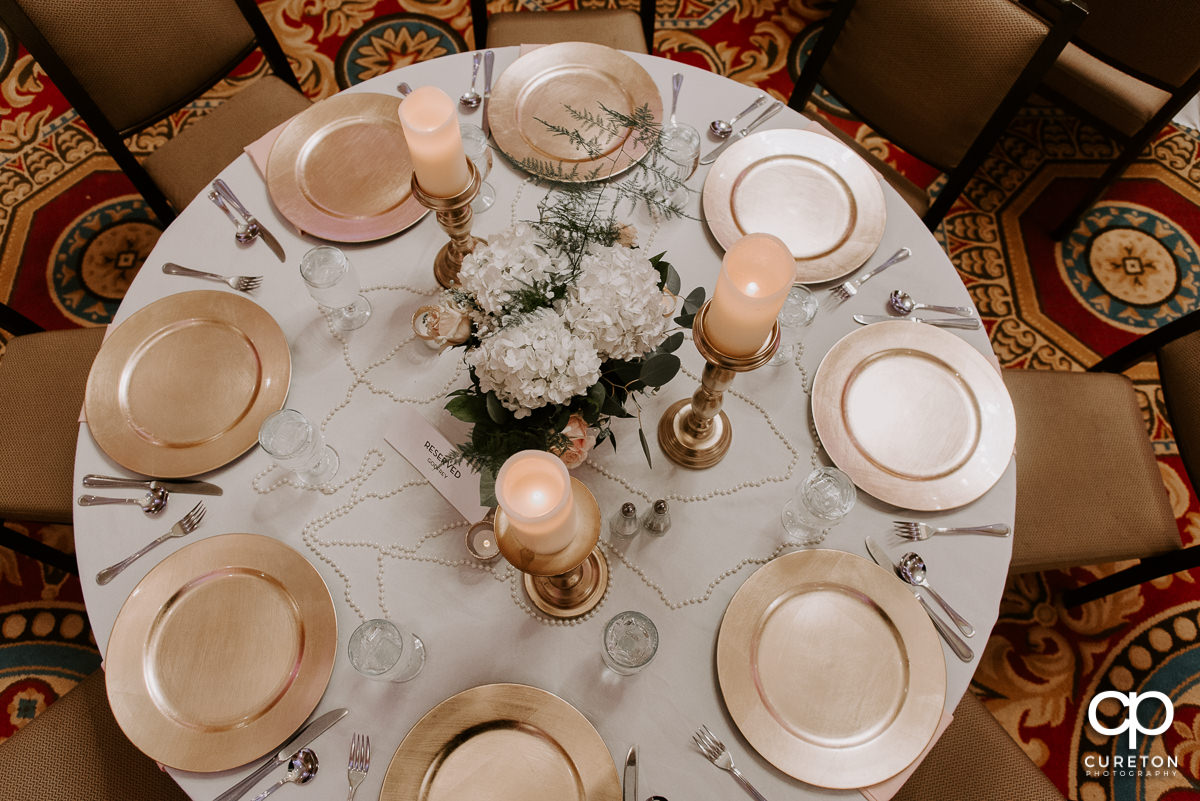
(186, 525)
(916, 530)
(847, 289)
(360, 761)
(717, 754)
(242, 283)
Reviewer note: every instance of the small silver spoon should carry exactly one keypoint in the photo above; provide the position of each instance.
(723, 128)
(245, 232)
(153, 502)
(912, 570)
(902, 303)
(470, 98)
(676, 85)
(301, 769)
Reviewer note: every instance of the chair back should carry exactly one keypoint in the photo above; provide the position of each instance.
(1157, 41)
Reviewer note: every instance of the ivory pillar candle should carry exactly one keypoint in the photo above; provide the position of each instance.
(756, 275)
(430, 126)
(534, 490)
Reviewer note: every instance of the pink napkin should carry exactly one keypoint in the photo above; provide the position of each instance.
(888, 788)
(260, 149)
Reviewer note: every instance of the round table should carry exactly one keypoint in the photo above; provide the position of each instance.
(388, 545)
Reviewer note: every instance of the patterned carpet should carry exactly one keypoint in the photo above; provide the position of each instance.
(73, 234)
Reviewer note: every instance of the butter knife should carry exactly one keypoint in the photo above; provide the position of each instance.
(629, 791)
(488, 59)
(186, 487)
(960, 648)
(943, 322)
(770, 112)
(225, 192)
(305, 736)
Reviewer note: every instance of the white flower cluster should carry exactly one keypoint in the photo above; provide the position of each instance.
(616, 303)
(511, 261)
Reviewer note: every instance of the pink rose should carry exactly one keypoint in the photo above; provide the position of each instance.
(581, 437)
(444, 324)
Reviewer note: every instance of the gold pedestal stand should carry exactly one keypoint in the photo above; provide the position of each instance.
(694, 432)
(454, 215)
(572, 581)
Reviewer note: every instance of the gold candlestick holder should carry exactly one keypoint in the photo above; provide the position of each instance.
(694, 432)
(570, 582)
(454, 215)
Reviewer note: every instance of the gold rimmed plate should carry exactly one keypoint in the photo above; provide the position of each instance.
(535, 92)
(502, 742)
(221, 652)
(341, 170)
(181, 387)
(914, 415)
(811, 191)
(830, 669)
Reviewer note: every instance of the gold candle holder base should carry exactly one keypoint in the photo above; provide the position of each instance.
(454, 215)
(570, 582)
(694, 432)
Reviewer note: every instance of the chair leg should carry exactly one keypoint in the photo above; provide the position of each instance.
(1150, 568)
(27, 546)
(1098, 188)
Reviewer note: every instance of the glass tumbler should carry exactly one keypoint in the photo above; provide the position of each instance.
(380, 650)
(630, 642)
(333, 284)
(297, 445)
(680, 144)
(798, 311)
(820, 502)
(475, 144)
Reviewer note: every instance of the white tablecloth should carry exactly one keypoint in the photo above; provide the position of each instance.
(388, 546)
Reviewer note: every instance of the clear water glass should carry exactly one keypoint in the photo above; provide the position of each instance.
(630, 642)
(333, 283)
(380, 650)
(680, 144)
(475, 144)
(297, 445)
(819, 503)
(798, 311)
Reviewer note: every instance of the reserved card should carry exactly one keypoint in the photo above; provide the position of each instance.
(427, 450)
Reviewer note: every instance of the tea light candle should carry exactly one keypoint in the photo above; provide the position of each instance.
(481, 541)
(756, 274)
(430, 126)
(534, 490)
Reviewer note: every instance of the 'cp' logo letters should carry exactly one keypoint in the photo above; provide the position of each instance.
(1131, 701)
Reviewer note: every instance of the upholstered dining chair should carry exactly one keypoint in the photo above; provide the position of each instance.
(621, 28)
(941, 80)
(75, 751)
(127, 64)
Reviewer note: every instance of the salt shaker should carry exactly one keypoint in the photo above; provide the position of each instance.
(623, 525)
(657, 519)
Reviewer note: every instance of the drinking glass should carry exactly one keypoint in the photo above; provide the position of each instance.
(333, 283)
(798, 311)
(820, 502)
(297, 445)
(680, 144)
(380, 650)
(630, 642)
(475, 144)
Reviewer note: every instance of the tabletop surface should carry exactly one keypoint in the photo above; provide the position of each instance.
(388, 546)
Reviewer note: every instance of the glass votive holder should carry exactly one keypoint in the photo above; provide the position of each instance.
(630, 642)
(819, 503)
(475, 145)
(333, 283)
(380, 650)
(481, 540)
(297, 445)
(798, 311)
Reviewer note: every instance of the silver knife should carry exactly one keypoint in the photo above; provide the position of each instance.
(770, 112)
(943, 322)
(186, 487)
(629, 791)
(305, 736)
(224, 191)
(960, 648)
(488, 58)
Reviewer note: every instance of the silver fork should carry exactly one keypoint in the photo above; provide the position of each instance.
(186, 525)
(360, 761)
(847, 289)
(717, 754)
(242, 283)
(916, 530)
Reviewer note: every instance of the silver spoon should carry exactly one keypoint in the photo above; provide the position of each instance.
(153, 502)
(470, 98)
(723, 128)
(902, 303)
(676, 85)
(301, 769)
(245, 232)
(404, 89)
(912, 570)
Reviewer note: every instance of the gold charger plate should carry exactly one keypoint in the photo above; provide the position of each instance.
(502, 742)
(221, 652)
(340, 170)
(540, 85)
(914, 415)
(181, 387)
(830, 669)
(813, 192)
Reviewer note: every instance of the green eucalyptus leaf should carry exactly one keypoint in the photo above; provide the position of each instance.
(468, 408)
(660, 369)
(671, 343)
(645, 447)
(495, 409)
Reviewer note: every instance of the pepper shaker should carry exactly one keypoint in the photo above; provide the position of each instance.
(657, 519)
(623, 525)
